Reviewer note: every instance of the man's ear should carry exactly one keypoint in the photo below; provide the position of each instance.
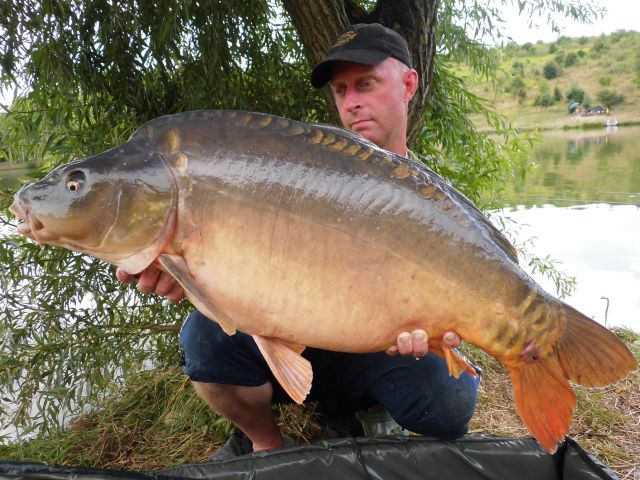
(410, 80)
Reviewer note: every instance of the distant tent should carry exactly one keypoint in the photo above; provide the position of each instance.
(406, 458)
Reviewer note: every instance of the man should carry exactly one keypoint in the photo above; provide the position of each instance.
(370, 74)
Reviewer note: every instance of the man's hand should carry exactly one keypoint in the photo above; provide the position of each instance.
(152, 280)
(416, 343)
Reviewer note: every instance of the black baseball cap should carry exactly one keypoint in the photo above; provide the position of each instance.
(365, 43)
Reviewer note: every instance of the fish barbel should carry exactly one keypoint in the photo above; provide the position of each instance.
(309, 235)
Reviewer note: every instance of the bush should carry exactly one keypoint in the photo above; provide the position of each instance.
(559, 58)
(544, 100)
(518, 66)
(517, 83)
(529, 48)
(553, 48)
(557, 94)
(609, 98)
(571, 59)
(575, 94)
(600, 46)
(550, 70)
(605, 81)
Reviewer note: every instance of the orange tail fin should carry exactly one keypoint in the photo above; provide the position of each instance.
(590, 354)
(544, 400)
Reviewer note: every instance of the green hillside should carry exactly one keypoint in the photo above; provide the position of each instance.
(538, 82)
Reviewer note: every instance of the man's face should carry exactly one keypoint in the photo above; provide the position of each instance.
(372, 100)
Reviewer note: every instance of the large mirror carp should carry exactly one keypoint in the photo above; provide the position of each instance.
(308, 235)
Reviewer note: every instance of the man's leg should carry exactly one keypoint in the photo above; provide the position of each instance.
(422, 397)
(248, 408)
(230, 375)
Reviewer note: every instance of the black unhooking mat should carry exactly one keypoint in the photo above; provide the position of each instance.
(406, 458)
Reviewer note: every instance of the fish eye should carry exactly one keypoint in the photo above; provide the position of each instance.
(75, 180)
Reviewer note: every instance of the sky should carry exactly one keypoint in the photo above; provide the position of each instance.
(620, 15)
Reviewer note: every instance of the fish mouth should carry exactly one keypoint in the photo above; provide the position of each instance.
(29, 223)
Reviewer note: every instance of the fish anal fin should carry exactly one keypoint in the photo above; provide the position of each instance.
(590, 354)
(456, 363)
(544, 399)
(291, 370)
(178, 269)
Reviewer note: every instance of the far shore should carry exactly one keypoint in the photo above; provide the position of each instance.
(529, 119)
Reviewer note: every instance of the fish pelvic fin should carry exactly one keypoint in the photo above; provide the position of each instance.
(178, 269)
(544, 399)
(292, 371)
(590, 354)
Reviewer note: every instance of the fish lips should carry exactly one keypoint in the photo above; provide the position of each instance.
(30, 223)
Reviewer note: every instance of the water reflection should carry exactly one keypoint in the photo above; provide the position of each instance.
(581, 200)
(569, 168)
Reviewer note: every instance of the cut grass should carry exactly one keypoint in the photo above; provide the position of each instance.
(157, 421)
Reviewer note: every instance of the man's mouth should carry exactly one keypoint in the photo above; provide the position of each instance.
(359, 123)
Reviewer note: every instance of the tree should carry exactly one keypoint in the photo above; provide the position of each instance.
(575, 94)
(610, 98)
(96, 70)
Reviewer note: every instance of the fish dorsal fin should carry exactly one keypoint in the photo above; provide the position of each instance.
(178, 269)
(291, 370)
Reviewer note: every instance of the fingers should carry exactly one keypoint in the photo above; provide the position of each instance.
(176, 295)
(415, 344)
(153, 280)
(148, 280)
(124, 277)
(451, 339)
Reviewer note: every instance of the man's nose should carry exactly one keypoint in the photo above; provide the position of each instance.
(352, 100)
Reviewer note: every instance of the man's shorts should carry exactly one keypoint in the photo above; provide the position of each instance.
(419, 394)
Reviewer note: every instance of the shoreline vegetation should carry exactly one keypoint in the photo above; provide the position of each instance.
(155, 420)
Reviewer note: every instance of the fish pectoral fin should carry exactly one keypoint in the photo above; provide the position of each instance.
(290, 369)
(456, 363)
(178, 269)
(544, 399)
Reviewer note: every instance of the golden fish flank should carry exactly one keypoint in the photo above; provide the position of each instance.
(221, 234)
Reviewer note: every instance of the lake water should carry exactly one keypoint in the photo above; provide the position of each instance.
(581, 202)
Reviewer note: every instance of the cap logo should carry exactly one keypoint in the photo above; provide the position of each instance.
(344, 38)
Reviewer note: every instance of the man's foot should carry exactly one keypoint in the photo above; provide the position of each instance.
(237, 445)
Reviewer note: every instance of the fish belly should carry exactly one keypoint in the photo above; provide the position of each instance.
(296, 279)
